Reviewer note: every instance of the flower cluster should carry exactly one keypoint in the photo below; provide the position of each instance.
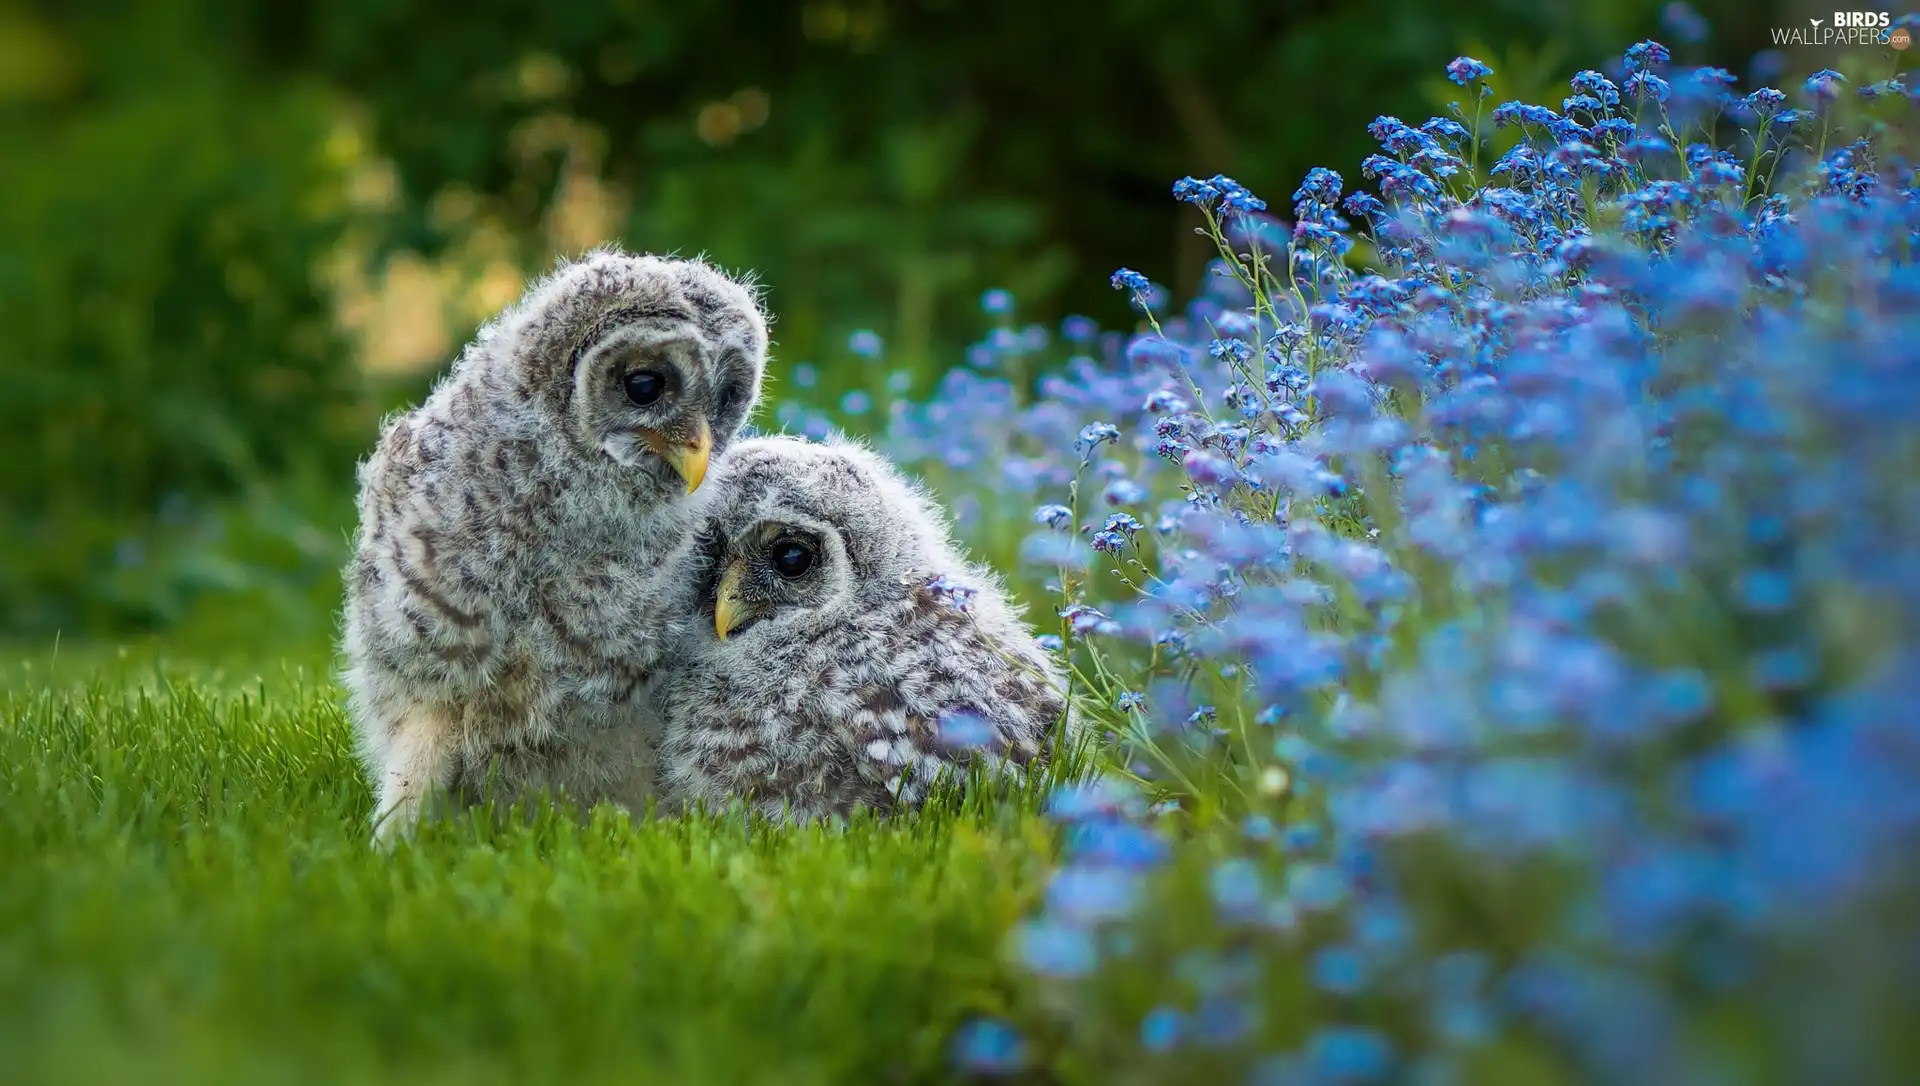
(1510, 642)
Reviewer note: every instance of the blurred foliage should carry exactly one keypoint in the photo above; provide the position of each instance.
(164, 337)
(880, 162)
(183, 178)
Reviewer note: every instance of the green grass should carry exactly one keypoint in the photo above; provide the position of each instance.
(189, 896)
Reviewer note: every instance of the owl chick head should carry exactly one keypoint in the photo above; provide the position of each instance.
(652, 362)
(801, 534)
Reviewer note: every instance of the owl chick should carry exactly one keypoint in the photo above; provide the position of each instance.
(851, 653)
(502, 605)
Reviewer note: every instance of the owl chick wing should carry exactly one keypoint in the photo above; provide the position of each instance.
(968, 705)
(420, 567)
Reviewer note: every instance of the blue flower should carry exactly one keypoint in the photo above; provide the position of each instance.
(1684, 22)
(1322, 186)
(865, 344)
(1824, 85)
(1767, 591)
(1208, 468)
(1056, 949)
(1053, 516)
(1598, 86)
(1562, 537)
(1117, 843)
(989, 1046)
(1785, 668)
(1764, 102)
(1083, 619)
(996, 302)
(1079, 329)
(1464, 70)
(1086, 894)
(952, 593)
(1301, 836)
(1154, 350)
(1124, 492)
(1238, 888)
(1218, 191)
(1096, 434)
(1350, 1054)
(1160, 1029)
(965, 729)
(1646, 56)
(1128, 279)
(1339, 970)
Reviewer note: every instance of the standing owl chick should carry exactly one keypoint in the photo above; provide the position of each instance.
(502, 605)
(850, 652)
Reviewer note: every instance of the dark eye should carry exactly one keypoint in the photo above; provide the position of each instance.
(790, 558)
(729, 399)
(645, 387)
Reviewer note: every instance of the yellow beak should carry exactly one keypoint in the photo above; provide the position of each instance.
(689, 459)
(728, 607)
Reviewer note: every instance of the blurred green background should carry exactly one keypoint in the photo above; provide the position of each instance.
(233, 234)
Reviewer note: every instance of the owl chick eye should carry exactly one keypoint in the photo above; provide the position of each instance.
(790, 558)
(645, 387)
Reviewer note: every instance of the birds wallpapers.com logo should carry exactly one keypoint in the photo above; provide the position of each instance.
(1871, 28)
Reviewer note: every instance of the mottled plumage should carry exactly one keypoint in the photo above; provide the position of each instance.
(504, 603)
(819, 686)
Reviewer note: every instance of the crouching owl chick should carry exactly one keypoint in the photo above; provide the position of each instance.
(503, 601)
(850, 652)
